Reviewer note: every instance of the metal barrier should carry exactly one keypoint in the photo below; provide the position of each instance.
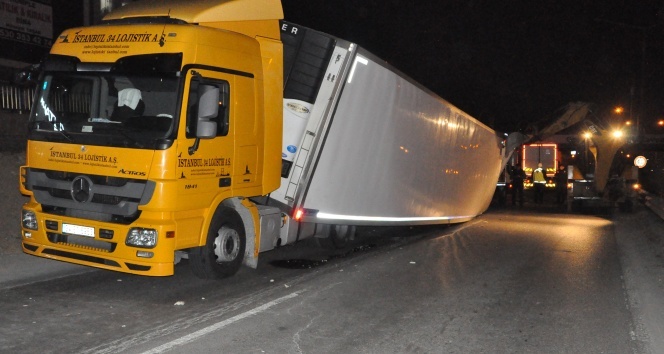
(654, 202)
(15, 98)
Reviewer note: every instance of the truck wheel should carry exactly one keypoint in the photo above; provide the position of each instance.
(222, 255)
(337, 236)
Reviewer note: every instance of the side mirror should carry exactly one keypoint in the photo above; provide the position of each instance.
(208, 109)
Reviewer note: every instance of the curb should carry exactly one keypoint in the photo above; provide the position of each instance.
(22, 269)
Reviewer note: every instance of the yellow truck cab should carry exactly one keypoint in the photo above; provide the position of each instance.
(149, 132)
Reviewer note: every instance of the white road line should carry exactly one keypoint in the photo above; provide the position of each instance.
(207, 330)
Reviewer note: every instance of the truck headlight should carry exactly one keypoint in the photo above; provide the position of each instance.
(29, 219)
(140, 237)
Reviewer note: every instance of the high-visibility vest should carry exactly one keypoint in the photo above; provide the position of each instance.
(538, 176)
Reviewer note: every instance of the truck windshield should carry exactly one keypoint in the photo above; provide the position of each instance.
(105, 109)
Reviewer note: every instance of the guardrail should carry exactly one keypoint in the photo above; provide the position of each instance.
(654, 202)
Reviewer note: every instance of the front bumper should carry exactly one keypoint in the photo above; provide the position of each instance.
(105, 250)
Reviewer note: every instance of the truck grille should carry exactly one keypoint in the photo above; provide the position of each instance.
(102, 198)
(97, 198)
(82, 242)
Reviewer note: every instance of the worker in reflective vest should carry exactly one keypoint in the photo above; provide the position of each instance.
(539, 183)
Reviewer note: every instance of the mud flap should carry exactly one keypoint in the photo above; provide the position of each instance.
(249, 214)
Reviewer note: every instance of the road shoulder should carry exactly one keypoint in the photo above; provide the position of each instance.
(640, 243)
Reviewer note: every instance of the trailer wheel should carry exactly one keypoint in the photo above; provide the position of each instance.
(337, 236)
(222, 255)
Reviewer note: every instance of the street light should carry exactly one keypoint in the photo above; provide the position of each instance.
(619, 110)
(617, 134)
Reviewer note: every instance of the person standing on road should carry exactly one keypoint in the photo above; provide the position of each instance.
(539, 183)
(561, 185)
(518, 176)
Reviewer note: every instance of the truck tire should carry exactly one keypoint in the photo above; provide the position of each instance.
(337, 236)
(222, 255)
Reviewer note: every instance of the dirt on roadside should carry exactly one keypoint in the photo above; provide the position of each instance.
(11, 201)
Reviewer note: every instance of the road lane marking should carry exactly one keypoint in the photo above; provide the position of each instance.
(219, 325)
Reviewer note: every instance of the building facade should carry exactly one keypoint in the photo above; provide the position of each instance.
(27, 31)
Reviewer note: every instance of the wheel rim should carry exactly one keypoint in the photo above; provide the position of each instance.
(226, 245)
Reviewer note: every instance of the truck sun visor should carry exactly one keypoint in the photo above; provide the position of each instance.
(55, 62)
(162, 63)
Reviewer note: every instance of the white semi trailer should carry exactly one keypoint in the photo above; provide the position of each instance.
(375, 147)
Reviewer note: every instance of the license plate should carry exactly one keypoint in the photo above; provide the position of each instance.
(78, 230)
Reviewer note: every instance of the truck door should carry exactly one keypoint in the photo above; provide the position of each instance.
(207, 167)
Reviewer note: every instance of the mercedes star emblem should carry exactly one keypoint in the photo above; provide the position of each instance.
(81, 189)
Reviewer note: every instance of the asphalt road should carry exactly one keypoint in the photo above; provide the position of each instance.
(511, 281)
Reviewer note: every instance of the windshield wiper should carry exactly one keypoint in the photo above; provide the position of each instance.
(35, 126)
(65, 135)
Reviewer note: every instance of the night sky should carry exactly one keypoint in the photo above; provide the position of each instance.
(507, 63)
(511, 63)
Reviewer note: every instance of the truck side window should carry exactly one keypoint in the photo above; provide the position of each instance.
(223, 117)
